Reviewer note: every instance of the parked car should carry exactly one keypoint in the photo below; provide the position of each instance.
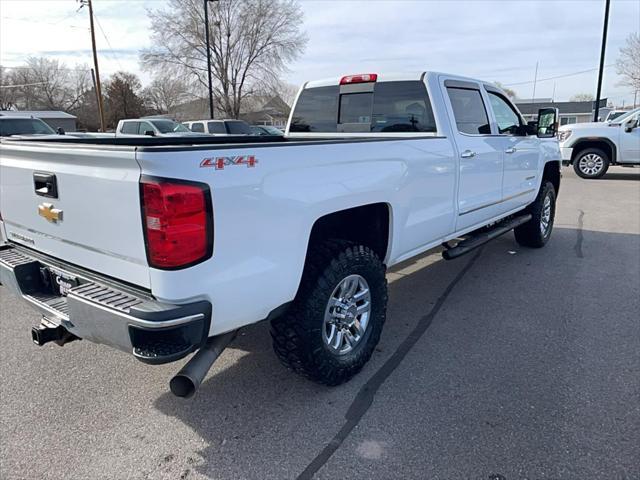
(592, 147)
(165, 246)
(220, 127)
(15, 125)
(155, 127)
(266, 130)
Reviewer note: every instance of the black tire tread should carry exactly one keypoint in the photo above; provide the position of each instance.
(296, 335)
(528, 234)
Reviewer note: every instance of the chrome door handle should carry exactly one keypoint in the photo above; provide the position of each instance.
(468, 154)
(510, 150)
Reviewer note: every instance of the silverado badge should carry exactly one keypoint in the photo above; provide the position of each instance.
(47, 211)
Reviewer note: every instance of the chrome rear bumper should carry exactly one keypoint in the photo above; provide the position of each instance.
(103, 311)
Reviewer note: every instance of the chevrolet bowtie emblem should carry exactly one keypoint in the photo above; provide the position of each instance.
(47, 211)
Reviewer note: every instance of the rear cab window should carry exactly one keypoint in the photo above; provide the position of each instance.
(396, 106)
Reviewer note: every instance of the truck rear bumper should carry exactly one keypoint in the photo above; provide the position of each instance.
(100, 310)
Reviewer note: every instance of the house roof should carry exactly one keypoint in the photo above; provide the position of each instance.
(38, 113)
(564, 107)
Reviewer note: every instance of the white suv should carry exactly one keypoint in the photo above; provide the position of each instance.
(592, 147)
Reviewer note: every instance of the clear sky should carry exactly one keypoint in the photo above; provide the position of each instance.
(498, 40)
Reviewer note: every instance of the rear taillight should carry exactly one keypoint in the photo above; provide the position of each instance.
(360, 78)
(177, 222)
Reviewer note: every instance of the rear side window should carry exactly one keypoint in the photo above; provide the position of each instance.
(130, 128)
(468, 110)
(216, 127)
(197, 127)
(316, 110)
(402, 107)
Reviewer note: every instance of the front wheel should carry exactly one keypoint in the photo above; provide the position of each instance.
(335, 321)
(536, 232)
(591, 163)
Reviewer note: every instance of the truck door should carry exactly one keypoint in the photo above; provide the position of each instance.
(481, 161)
(630, 141)
(521, 154)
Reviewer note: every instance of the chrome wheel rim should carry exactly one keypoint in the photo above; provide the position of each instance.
(347, 314)
(591, 164)
(545, 217)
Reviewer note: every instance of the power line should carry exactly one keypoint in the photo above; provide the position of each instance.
(108, 42)
(23, 85)
(557, 76)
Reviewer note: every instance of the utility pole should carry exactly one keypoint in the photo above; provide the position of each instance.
(95, 64)
(604, 44)
(206, 35)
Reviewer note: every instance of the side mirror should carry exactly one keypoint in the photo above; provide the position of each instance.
(150, 133)
(548, 122)
(60, 131)
(630, 125)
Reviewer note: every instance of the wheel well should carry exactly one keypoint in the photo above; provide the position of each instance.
(367, 225)
(603, 144)
(552, 173)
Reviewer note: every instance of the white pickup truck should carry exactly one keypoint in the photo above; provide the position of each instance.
(165, 246)
(592, 147)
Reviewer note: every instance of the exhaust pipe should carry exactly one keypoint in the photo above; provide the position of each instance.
(48, 331)
(187, 381)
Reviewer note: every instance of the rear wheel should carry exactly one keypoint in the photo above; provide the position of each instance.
(591, 163)
(536, 232)
(335, 321)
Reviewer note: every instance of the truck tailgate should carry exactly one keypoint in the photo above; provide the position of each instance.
(93, 219)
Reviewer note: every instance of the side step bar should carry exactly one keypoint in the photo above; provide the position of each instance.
(476, 240)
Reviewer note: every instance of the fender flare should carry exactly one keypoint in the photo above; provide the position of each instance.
(612, 146)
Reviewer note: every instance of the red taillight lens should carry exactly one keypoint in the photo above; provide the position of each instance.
(361, 78)
(177, 222)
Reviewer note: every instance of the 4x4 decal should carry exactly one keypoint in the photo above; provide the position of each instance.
(220, 162)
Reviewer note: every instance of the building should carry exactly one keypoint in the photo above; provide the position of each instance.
(256, 110)
(55, 119)
(570, 112)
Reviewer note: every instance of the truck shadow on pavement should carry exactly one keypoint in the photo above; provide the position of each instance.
(622, 176)
(257, 420)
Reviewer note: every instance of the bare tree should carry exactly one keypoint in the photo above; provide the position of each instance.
(165, 93)
(509, 91)
(582, 97)
(8, 93)
(49, 85)
(251, 43)
(123, 98)
(628, 63)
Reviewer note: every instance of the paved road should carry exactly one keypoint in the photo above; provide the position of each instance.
(509, 363)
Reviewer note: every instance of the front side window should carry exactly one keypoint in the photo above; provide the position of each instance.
(238, 127)
(468, 110)
(216, 127)
(197, 127)
(169, 126)
(507, 119)
(145, 127)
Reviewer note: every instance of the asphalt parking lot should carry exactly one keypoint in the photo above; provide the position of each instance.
(507, 363)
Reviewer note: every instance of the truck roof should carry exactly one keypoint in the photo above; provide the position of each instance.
(389, 77)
